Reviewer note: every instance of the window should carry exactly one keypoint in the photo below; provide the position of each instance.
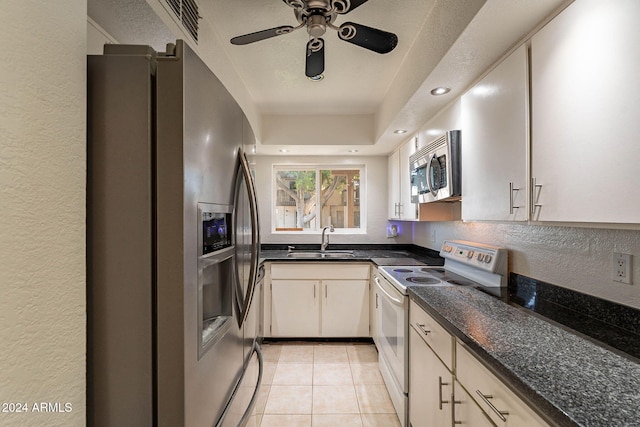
(308, 198)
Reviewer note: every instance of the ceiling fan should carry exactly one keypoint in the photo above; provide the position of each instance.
(317, 16)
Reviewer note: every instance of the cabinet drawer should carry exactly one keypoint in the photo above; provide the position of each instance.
(320, 271)
(440, 341)
(491, 394)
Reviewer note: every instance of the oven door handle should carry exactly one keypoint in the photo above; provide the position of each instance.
(384, 291)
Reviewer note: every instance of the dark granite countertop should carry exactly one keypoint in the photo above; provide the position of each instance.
(378, 254)
(570, 380)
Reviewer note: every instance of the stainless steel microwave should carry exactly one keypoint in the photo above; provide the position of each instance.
(435, 170)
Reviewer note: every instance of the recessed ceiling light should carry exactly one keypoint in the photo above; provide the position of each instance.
(440, 91)
(284, 150)
(399, 131)
(353, 151)
(316, 78)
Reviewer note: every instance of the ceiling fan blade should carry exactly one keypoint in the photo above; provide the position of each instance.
(369, 38)
(315, 58)
(346, 6)
(261, 35)
(296, 4)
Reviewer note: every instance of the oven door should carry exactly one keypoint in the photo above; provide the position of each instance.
(392, 330)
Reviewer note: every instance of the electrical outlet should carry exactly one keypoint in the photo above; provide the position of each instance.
(622, 268)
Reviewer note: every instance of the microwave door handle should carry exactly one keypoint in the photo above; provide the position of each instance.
(428, 173)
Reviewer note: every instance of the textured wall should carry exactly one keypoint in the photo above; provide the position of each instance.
(375, 196)
(576, 258)
(42, 211)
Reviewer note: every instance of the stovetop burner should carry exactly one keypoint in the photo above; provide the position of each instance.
(422, 280)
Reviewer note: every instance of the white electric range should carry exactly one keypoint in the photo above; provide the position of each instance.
(471, 264)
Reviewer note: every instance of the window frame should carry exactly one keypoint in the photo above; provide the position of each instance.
(318, 168)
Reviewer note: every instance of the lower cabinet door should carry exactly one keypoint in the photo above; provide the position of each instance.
(467, 412)
(295, 308)
(345, 308)
(430, 386)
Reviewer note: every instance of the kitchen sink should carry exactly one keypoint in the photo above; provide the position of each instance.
(321, 254)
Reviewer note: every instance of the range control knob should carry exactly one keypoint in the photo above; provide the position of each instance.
(447, 248)
(470, 254)
(480, 257)
(488, 258)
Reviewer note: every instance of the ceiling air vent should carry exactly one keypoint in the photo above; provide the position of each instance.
(187, 12)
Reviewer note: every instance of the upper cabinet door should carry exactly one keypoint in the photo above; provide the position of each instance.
(408, 210)
(585, 114)
(495, 143)
(393, 172)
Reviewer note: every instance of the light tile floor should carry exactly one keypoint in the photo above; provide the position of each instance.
(313, 384)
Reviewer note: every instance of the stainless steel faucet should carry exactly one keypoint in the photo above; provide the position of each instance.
(325, 243)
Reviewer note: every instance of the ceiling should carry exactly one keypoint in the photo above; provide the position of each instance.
(364, 96)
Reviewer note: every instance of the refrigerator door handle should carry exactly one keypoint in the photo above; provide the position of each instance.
(252, 403)
(244, 172)
(254, 398)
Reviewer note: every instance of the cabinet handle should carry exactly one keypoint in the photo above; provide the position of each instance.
(421, 327)
(511, 191)
(486, 398)
(314, 291)
(534, 196)
(440, 401)
(455, 402)
(376, 300)
(325, 291)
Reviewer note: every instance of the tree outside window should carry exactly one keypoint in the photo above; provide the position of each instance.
(312, 198)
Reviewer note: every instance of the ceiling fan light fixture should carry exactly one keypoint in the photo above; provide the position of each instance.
(317, 16)
(316, 78)
(440, 91)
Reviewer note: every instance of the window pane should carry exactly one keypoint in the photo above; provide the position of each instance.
(340, 198)
(295, 200)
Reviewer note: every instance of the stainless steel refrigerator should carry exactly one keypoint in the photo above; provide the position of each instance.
(173, 244)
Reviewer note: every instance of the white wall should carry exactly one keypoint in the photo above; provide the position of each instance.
(375, 196)
(42, 209)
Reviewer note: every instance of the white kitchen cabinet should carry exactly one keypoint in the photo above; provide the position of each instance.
(345, 308)
(491, 394)
(393, 177)
(319, 300)
(430, 370)
(585, 90)
(295, 308)
(373, 306)
(473, 396)
(400, 206)
(466, 410)
(430, 385)
(495, 126)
